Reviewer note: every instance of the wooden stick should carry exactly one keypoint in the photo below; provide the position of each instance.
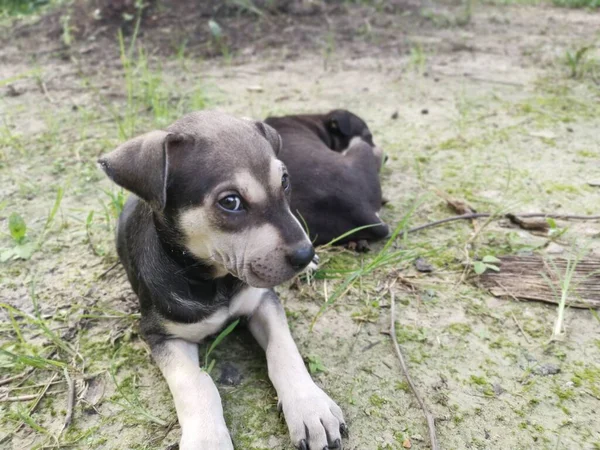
(428, 416)
(481, 215)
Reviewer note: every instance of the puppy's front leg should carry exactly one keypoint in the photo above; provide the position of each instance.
(197, 400)
(314, 420)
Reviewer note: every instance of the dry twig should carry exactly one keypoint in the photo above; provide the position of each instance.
(482, 215)
(428, 416)
(520, 328)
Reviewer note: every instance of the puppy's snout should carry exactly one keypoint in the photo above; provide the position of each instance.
(301, 256)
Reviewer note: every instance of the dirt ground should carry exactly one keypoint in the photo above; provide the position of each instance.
(483, 107)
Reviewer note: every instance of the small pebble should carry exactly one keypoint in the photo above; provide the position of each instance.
(425, 111)
(498, 390)
(546, 369)
(423, 266)
(554, 249)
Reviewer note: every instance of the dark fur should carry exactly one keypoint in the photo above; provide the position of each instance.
(158, 267)
(332, 192)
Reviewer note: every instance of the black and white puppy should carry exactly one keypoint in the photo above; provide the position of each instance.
(206, 236)
(336, 166)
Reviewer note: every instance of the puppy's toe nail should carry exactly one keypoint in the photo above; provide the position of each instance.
(303, 445)
(326, 448)
(337, 444)
(279, 406)
(344, 430)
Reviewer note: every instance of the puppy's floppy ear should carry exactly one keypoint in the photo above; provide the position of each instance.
(141, 166)
(339, 121)
(271, 135)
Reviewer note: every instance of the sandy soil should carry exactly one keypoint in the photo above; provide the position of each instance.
(486, 112)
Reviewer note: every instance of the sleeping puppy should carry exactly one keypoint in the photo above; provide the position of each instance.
(336, 166)
(206, 236)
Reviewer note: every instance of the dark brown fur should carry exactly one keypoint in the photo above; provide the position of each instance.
(335, 177)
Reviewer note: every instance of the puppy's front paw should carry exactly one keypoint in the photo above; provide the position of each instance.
(314, 420)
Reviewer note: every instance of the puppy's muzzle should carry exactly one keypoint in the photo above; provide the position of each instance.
(301, 256)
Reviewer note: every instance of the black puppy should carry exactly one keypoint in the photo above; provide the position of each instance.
(205, 237)
(335, 165)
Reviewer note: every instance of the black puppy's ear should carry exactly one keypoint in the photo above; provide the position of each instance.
(271, 135)
(141, 166)
(339, 121)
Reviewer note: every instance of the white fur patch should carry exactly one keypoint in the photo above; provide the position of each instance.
(243, 304)
(196, 397)
(198, 231)
(250, 188)
(246, 302)
(196, 332)
(275, 173)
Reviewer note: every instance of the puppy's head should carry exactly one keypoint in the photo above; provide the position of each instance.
(343, 126)
(216, 183)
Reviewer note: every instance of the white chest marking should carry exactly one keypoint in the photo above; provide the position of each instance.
(243, 304)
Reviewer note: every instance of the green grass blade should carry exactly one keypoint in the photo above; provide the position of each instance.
(222, 335)
(348, 233)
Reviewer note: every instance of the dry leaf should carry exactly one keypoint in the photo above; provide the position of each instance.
(459, 206)
(95, 390)
(529, 224)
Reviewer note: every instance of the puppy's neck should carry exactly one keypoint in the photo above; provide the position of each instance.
(192, 268)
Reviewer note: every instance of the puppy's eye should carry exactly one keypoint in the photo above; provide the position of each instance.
(231, 203)
(285, 181)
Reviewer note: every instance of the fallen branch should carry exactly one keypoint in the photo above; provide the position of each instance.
(500, 216)
(428, 416)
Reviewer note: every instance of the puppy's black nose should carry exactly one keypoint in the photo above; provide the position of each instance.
(301, 256)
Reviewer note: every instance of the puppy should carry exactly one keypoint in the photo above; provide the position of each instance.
(336, 166)
(206, 236)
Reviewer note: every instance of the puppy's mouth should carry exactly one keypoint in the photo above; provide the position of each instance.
(259, 275)
(256, 274)
(260, 272)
